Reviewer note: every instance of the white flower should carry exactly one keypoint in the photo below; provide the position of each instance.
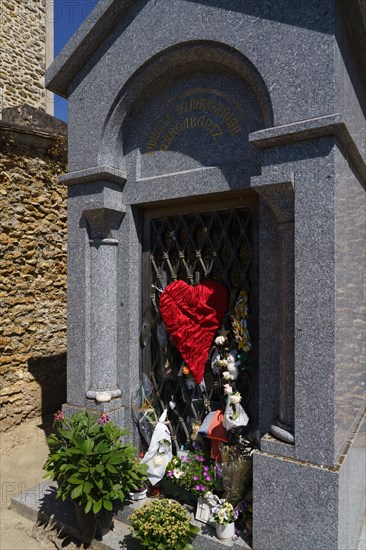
(177, 473)
(227, 376)
(235, 398)
(220, 340)
(233, 371)
(222, 362)
(227, 389)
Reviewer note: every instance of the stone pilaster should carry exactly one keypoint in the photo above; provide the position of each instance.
(283, 428)
(95, 214)
(278, 192)
(102, 226)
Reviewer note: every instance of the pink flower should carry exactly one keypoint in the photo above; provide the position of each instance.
(198, 487)
(104, 418)
(58, 416)
(208, 478)
(227, 389)
(203, 488)
(205, 468)
(195, 478)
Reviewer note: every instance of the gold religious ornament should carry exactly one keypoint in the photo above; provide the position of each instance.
(239, 322)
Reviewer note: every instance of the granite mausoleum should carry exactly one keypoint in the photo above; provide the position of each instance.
(226, 140)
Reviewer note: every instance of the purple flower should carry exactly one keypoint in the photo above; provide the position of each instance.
(205, 468)
(198, 458)
(202, 459)
(195, 478)
(198, 488)
(104, 418)
(170, 473)
(58, 416)
(208, 478)
(203, 488)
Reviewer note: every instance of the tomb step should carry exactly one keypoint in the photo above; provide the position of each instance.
(39, 504)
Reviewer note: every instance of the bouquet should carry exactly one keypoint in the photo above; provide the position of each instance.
(224, 512)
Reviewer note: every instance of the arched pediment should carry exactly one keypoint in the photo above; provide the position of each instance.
(190, 107)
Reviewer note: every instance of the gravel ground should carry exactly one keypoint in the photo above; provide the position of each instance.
(23, 452)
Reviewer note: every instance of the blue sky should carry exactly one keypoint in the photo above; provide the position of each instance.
(68, 16)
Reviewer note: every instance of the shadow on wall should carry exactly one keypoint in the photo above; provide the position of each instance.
(50, 373)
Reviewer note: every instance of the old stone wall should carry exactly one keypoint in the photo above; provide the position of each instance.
(32, 276)
(23, 53)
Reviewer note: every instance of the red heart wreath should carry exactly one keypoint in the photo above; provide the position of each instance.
(192, 314)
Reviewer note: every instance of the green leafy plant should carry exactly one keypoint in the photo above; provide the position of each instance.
(90, 463)
(195, 473)
(163, 525)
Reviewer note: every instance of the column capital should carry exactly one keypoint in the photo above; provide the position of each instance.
(103, 224)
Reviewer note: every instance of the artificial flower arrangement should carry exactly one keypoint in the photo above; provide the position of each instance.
(162, 525)
(229, 358)
(195, 473)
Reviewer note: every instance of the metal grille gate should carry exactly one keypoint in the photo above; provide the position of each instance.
(193, 247)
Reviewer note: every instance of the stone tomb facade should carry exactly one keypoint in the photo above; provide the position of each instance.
(227, 140)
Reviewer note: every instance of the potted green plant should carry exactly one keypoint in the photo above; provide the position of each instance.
(224, 515)
(189, 478)
(92, 467)
(163, 525)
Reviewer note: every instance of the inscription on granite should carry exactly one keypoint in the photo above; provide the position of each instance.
(209, 113)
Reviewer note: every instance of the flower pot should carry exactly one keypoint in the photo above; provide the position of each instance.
(225, 532)
(137, 495)
(177, 492)
(104, 523)
(87, 524)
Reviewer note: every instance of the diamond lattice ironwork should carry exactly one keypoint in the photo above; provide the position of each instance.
(194, 247)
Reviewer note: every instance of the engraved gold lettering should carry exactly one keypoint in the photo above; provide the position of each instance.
(170, 126)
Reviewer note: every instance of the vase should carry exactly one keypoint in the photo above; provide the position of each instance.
(237, 479)
(225, 532)
(87, 524)
(177, 492)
